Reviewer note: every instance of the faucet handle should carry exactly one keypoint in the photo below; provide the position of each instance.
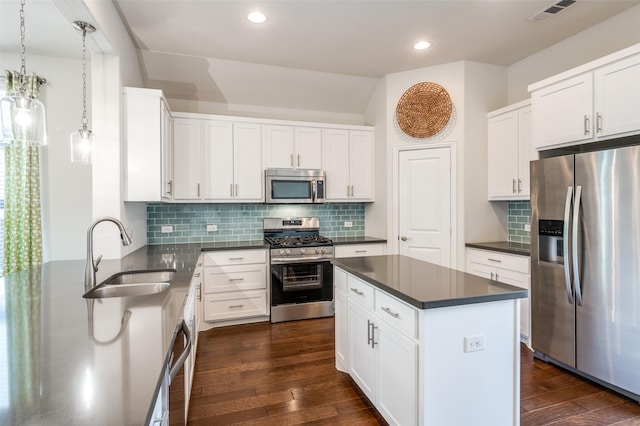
(97, 262)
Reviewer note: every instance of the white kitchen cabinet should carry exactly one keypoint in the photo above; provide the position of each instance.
(187, 158)
(341, 314)
(148, 139)
(235, 285)
(248, 176)
(192, 317)
(509, 152)
(509, 269)
(593, 102)
(356, 250)
(347, 158)
(217, 160)
(376, 331)
(293, 147)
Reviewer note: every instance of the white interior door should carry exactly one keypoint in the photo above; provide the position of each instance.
(424, 203)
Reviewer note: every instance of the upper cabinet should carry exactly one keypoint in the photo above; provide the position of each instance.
(596, 101)
(347, 158)
(292, 147)
(187, 157)
(217, 160)
(147, 146)
(509, 152)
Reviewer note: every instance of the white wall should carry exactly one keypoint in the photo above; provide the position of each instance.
(376, 213)
(475, 89)
(114, 65)
(607, 37)
(485, 91)
(65, 187)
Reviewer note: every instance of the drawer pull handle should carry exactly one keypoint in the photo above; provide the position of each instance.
(390, 312)
(197, 274)
(494, 260)
(236, 306)
(236, 279)
(360, 251)
(236, 258)
(358, 292)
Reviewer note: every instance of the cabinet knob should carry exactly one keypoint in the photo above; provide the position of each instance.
(403, 238)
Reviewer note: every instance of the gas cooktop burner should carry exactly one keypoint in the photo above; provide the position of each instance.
(298, 241)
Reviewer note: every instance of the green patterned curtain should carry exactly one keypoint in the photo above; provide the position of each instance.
(22, 215)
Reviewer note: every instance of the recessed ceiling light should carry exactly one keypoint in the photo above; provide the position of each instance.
(257, 17)
(421, 45)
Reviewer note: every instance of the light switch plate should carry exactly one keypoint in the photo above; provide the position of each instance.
(212, 228)
(348, 224)
(166, 229)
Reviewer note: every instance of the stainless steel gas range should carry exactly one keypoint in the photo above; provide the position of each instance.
(301, 270)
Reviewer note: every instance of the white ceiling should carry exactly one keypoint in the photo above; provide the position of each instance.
(321, 55)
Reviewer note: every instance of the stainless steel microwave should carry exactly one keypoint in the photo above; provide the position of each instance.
(294, 186)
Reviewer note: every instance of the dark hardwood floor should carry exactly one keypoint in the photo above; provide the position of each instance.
(284, 374)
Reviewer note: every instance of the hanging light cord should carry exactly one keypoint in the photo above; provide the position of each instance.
(23, 66)
(84, 120)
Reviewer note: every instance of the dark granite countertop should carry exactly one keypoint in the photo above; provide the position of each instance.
(71, 362)
(426, 285)
(357, 240)
(510, 247)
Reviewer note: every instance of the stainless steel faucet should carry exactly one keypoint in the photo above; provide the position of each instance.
(91, 267)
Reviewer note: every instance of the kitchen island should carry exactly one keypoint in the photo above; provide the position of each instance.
(441, 345)
(76, 361)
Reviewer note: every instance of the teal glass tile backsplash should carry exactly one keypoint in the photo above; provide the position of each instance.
(241, 222)
(519, 215)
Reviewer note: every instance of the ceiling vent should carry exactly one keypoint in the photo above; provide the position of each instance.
(552, 10)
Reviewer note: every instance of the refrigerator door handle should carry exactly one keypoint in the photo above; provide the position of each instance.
(565, 245)
(574, 245)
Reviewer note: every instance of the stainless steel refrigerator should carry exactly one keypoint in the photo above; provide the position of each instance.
(585, 258)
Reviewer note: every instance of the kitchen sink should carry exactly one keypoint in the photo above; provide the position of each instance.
(138, 283)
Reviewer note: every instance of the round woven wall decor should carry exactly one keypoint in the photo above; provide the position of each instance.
(424, 110)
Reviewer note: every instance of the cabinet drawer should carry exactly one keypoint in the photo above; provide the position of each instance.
(500, 260)
(360, 291)
(396, 313)
(354, 250)
(234, 257)
(232, 305)
(234, 278)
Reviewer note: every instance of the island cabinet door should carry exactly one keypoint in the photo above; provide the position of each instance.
(362, 353)
(397, 376)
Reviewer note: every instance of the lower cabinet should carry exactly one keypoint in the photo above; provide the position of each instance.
(192, 317)
(235, 285)
(509, 269)
(376, 344)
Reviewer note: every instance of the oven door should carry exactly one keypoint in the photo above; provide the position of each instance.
(301, 283)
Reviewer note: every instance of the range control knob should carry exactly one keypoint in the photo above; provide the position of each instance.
(287, 252)
(302, 250)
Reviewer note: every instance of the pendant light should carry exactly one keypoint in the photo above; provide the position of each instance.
(81, 139)
(22, 116)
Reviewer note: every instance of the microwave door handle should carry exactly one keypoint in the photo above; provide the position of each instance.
(314, 190)
(565, 244)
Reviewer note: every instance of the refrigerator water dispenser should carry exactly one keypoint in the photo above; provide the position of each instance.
(550, 241)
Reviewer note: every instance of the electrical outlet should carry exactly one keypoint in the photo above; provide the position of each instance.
(474, 343)
(527, 227)
(166, 229)
(212, 228)
(348, 224)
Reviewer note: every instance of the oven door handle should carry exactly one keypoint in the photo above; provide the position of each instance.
(299, 259)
